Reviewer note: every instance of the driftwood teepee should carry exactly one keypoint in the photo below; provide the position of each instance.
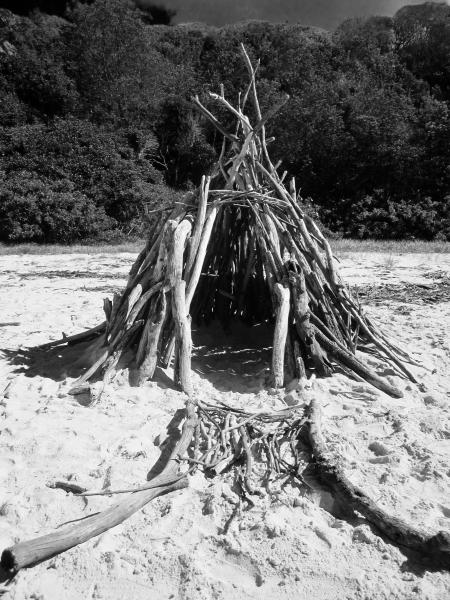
(240, 247)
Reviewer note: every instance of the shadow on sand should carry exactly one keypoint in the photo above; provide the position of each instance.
(54, 363)
(236, 361)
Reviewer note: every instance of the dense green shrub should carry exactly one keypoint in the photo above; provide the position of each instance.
(378, 217)
(34, 210)
(99, 163)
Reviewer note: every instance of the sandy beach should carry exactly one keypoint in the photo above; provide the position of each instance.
(203, 542)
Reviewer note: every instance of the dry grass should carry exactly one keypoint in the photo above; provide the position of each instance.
(390, 247)
(389, 262)
(52, 249)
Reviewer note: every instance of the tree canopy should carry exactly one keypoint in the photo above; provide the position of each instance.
(95, 107)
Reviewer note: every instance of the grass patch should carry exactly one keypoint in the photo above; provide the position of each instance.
(53, 249)
(67, 275)
(135, 246)
(390, 246)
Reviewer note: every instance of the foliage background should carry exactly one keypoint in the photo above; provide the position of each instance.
(97, 129)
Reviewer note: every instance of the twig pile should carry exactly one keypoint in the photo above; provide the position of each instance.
(227, 436)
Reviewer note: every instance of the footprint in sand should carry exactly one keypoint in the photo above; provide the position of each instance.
(235, 566)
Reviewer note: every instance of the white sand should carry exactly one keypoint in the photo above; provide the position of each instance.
(288, 546)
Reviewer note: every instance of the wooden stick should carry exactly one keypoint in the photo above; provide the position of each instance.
(199, 223)
(153, 276)
(248, 460)
(146, 368)
(242, 119)
(214, 121)
(283, 295)
(384, 347)
(299, 362)
(193, 278)
(133, 297)
(302, 322)
(77, 338)
(183, 333)
(32, 552)
(335, 280)
(271, 113)
(252, 73)
(152, 238)
(349, 360)
(90, 372)
(200, 258)
(119, 349)
(143, 300)
(179, 309)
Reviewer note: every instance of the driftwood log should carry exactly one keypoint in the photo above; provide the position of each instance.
(436, 546)
(32, 552)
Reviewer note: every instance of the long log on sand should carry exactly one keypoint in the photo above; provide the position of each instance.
(32, 552)
(435, 547)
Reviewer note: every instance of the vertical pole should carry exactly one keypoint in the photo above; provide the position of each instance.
(282, 294)
(179, 308)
